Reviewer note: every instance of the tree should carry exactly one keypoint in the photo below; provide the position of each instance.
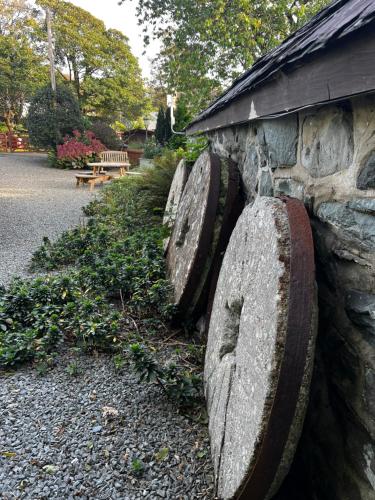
(96, 62)
(163, 130)
(106, 135)
(21, 68)
(53, 116)
(205, 45)
(160, 126)
(21, 72)
(16, 17)
(182, 119)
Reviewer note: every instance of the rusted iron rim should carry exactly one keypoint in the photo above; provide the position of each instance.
(234, 204)
(206, 234)
(300, 315)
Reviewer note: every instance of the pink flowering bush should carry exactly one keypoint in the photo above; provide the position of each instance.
(78, 150)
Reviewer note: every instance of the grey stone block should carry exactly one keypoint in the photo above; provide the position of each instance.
(250, 170)
(352, 223)
(363, 205)
(289, 187)
(281, 139)
(366, 178)
(265, 187)
(327, 141)
(360, 308)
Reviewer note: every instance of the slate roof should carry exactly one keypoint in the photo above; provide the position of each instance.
(337, 21)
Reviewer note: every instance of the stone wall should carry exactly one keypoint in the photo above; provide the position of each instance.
(326, 157)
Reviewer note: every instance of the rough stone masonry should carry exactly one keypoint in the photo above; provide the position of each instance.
(325, 157)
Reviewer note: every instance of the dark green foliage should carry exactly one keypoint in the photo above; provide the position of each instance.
(144, 364)
(194, 148)
(119, 251)
(182, 119)
(53, 116)
(155, 183)
(163, 131)
(168, 128)
(180, 386)
(160, 126)
(37, 314)
(106, 135)
(151, 149)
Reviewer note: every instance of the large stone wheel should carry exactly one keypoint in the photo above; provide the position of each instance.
(190, 242)
(260, 348)
(175, 193)
(231, 204)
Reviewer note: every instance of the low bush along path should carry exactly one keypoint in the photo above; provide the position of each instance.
(91, 405)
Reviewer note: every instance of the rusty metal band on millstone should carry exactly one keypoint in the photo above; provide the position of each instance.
(260, 348)
(225, 222)
(192, 234)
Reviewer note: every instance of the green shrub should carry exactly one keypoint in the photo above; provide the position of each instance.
(151, 149)
(36, 315)
(52, 116)
(194, 147)
(180, 386)
(154, 185)
(106, 135)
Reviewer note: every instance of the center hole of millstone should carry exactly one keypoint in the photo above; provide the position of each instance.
(185, 228)
(231, 326)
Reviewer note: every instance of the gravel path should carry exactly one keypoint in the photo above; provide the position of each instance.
(35, 201)
(55, 442)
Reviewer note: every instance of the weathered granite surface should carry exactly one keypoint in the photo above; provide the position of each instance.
(366, 178)
(327, 141)
(334, 176)
(245, 349)
(175, 193)
(281, 141)
(192, 233)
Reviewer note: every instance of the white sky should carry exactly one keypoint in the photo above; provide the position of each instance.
(124, 19)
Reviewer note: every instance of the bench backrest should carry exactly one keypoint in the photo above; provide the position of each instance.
(113, 156)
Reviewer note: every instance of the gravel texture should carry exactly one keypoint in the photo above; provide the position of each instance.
(56, 441)
(35, 201)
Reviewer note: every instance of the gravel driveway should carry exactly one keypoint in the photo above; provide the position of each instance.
(35, 201)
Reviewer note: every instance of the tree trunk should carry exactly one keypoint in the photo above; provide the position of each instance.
(9, 120)
(77, 84)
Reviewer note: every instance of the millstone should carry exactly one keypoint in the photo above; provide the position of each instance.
(260, 348)
(190, 242)
(175, 193)
(231, 204)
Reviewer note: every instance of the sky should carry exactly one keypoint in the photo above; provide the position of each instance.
(124, 19)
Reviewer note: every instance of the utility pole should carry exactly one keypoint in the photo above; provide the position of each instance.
(51, 55)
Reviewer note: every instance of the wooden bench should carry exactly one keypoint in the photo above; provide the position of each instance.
(92, 179)
(112, 159)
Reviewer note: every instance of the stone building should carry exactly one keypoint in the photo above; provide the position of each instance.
(301, 122)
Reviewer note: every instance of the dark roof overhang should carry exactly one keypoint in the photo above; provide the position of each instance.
(329, 59)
